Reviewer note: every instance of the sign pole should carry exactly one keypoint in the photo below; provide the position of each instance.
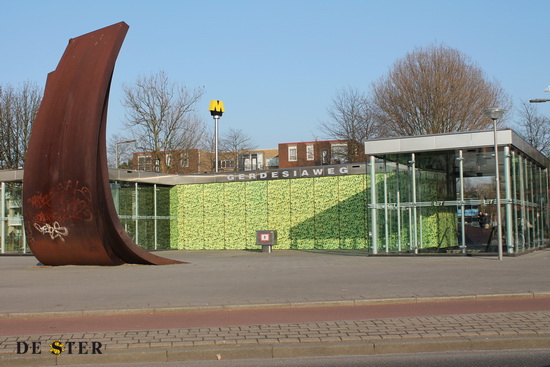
(216, 110)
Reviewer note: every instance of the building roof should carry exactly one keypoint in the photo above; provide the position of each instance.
(453, 141)
(317, 141)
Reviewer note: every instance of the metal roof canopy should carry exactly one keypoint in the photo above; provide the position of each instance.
(453, 141)
(135, 176)
(11, 175)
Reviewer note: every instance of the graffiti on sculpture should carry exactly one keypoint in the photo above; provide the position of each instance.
(55, 230)
(72, 203)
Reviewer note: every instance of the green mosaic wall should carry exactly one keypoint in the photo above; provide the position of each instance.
(308, 213)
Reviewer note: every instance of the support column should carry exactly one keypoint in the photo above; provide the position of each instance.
(415, 219)
(373, 213)
(508, 196)
(530, 190)
(541, 208)
(534, 204)
(462, 208)
(386, 220)
(3, 220)
(523, 220)
(136, 214)
(398, 208)
(546, 221)
(515, 207)
(155, 213)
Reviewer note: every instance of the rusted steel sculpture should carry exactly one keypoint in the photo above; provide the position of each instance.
(70, 217)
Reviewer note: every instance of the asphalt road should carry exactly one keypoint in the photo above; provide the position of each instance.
(501, 358)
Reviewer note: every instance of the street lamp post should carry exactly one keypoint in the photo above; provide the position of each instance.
(541, 100)
(116, 149)
(216, 110)
(494, 114)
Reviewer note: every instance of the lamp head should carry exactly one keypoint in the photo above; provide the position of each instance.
(494, 113)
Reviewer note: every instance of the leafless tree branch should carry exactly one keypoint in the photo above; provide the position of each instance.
(162, 116)
(351, 119)
(18, 109)
(435, 90)
(534, 128)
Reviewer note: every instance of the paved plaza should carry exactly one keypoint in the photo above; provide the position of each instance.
(249, 304)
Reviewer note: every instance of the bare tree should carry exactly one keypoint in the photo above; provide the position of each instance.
(117, 146)
(233, 143)
(236, 140)
(534, 128)
(435, 90)
(18, 109)
(351, 119)
(162, 117)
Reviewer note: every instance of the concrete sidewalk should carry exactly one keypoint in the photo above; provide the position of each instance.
(237, 278)
(283, 279)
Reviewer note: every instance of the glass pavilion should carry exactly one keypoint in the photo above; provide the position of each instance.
(457, 172)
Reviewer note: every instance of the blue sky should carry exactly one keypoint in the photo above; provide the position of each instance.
(277, 64)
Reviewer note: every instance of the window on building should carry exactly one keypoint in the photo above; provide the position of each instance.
(339, 153)
(292, 154)
(272, 162)
(310, 156)
(325, 156)
(251, 161)
(227, 164)
(144, 163)
(184, 159)
(168, 159)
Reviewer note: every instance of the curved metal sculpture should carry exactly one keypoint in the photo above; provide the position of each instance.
(68, 208)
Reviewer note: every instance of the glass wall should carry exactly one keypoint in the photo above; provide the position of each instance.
(415, 203)
(144, 211)
(445, 201)
(12, 234)
(528, 203)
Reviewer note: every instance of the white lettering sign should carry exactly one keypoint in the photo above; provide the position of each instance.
(292, 173)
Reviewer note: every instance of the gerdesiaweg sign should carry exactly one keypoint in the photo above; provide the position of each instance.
(289, 173)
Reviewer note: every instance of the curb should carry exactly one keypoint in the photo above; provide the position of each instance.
(339, 303)
(284, 351)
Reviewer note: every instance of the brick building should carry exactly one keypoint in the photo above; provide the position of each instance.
(187, 161)
(191, 161)
(288, 155)
(317, 153)
(249, 160)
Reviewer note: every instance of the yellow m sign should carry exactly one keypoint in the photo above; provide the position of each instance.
(216, 108)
